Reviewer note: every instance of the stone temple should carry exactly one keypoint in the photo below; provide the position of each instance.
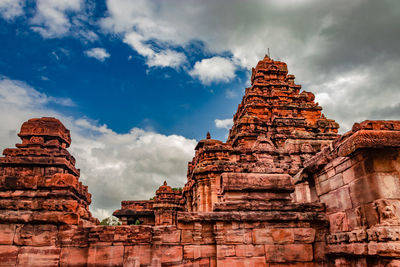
(285, 189)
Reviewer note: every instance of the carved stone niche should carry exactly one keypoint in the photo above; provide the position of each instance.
(387, 212)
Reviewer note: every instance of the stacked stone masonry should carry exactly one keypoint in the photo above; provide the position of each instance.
(285, 189)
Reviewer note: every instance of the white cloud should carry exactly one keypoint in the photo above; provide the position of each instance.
(162, 58)
(19, 94)
(140, 28)
(9, 9)
(313, 37)
(115, 166)
(51, 19)
(226, 123)
(215, 69)
(98, 53)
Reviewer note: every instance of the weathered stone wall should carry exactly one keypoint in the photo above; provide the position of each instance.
(195, 240)
(359, 182)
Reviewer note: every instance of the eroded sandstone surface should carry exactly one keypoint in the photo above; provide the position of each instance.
(285, 189)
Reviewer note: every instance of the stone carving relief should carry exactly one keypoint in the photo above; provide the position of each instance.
(360, 218)
(386, 212)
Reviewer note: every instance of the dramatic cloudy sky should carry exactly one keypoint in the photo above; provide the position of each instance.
(140, 82)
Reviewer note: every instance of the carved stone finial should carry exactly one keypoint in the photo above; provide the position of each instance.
(165, 183)
(208, 135)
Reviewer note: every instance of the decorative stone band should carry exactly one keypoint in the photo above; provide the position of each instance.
(131, 212)
(44, 161)
(45, 127)
(375, 234)
(380, 240)
(251, 216)
(256, 182)
(369, 139)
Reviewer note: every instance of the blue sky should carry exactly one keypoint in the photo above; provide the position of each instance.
(139, 82)
(118, 90)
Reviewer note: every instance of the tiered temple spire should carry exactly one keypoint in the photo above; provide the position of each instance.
(276, 127)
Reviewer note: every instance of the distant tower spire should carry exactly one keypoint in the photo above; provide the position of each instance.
(268, 55)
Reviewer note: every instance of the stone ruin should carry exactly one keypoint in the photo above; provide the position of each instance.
(285, 189)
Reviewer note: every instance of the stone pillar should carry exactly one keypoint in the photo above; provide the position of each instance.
(214, 192)
(200, 194)
(207, 196)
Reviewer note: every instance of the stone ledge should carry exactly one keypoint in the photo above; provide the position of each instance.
(251, 216)
(256, 182)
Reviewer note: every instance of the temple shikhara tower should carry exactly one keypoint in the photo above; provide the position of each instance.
(285, 189)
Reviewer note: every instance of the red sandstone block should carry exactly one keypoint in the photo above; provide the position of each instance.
(323, 187)
(132, 262)
(7, 234)
(197, 263)
(35, 235)
(262, 236)
(319, 251)
(348, 175)
(242, 262)
(256, 181)
(189, 252)
(208, 251)
(199, 251)
(171, 254)
(185, 226)
(374, 186)
(69, 235)
(381, 161)
(330, 184)
(330, 201)
(187, 236)
(171, 236)
(249, 250)
(105, 256)
(141, 254)
(8, 256)
(225, 251)
(241, 236)
(387, 249)
(304, 235)
(336, 181)
(10, 216)
(359, 170)
(74, 256)
(299, 264)
(353, 248)
(238, 236)
(322, 176)
(343, 165)
(289, 253)
(235, 225)
(38, 256)
(386, 184)
(343, 199)
(282, 236)
(392, 263)
(55, 217)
